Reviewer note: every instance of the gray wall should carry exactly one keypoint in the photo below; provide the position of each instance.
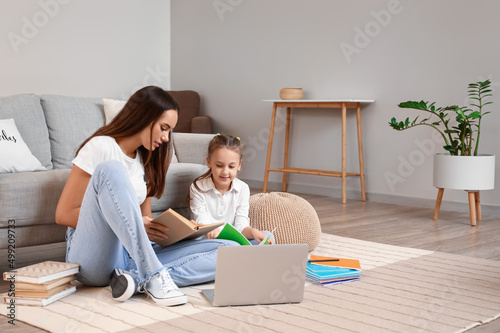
(237, 53)
(84, 47)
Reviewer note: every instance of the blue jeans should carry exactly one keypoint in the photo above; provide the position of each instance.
(110, 234)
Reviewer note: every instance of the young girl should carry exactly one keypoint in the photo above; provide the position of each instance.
(106, 204)
(218, 196)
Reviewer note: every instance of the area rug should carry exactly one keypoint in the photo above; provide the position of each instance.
(401, 290)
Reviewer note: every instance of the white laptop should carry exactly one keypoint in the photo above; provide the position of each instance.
(265, 274)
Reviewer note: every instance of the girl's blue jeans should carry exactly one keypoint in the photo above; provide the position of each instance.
(110, 234)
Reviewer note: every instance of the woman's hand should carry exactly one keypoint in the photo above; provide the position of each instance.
(213, 234)
(155, 231)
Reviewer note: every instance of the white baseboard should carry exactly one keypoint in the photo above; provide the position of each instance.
(376, 197)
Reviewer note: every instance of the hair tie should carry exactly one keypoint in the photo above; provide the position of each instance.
(238, 138)
(218, 134)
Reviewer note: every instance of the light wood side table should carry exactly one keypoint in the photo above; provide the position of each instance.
(344, 105)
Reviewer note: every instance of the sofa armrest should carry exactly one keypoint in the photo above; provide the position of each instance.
(191, 147)
(201, 124)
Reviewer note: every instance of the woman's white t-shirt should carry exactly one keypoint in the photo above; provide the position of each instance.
(104, 148)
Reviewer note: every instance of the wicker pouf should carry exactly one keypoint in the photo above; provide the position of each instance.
(295, 219)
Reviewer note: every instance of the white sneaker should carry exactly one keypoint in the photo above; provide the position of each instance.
(163, 290)
(123, 285)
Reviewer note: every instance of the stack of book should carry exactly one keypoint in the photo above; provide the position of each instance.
(40, 284)
(328, 270)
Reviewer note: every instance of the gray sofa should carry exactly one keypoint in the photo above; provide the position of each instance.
(53, 126)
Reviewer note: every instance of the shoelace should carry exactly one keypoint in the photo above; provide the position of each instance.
(166, 280)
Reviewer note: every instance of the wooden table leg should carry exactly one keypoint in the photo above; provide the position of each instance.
(438, 203)
(478, 206)
(344, 172)
(472, 208)
(269, 147)
(287, 138)
(360, 152)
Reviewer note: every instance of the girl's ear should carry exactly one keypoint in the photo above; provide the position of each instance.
(239, 166)
(208, 163)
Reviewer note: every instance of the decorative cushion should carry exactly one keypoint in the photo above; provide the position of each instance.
(294, 218)
(27, 113)
(16, 156)
(112, 107)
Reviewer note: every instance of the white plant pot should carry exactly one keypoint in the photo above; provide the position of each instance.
(470, 173)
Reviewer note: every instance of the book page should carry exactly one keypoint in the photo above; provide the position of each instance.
(231, 233)
(181, 228)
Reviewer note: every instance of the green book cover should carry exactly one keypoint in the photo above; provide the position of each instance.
(231, 233)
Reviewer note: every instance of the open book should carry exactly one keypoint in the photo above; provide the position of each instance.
(231, 233)
(181, 228)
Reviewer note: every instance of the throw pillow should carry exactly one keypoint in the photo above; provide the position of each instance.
(112, 107)
(16, 156)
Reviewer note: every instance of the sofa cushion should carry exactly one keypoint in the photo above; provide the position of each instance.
(30, 198)
(179, 179)
(191, 148)
(34, 235)
(30, 120)
(70, 121)
(16, 156)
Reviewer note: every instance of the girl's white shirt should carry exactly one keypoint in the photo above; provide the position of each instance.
(212, 206)
(104, 148)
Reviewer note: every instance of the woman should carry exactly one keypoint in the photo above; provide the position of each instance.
(106, 204)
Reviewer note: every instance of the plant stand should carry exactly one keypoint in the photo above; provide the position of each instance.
(474, 206)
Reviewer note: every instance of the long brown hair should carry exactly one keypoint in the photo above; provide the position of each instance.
(219, 141)
(142, 110)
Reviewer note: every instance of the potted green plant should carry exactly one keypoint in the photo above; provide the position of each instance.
(460, 127)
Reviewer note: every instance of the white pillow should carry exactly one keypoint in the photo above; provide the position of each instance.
(16, 156)
(112, 107)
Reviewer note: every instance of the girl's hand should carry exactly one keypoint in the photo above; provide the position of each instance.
(259, 236)
(155, 231)
(213, 234)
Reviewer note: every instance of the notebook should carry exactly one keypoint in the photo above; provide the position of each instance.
(269, 274)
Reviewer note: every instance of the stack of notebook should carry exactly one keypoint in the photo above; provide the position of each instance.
(328, 270)
(40, 284)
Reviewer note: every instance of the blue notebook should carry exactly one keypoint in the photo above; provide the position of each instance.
(318, 272)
